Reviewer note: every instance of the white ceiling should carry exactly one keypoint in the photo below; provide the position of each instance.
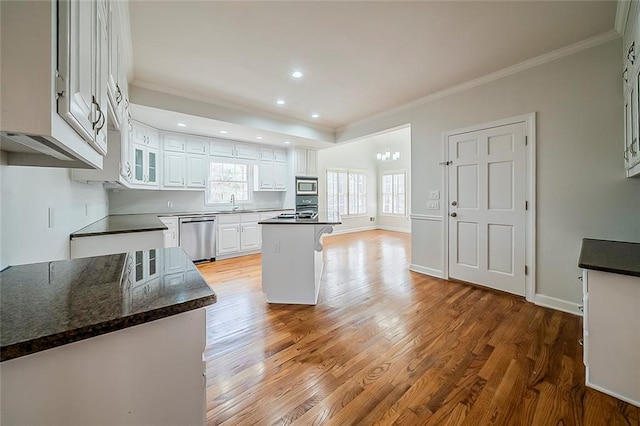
(359, 58)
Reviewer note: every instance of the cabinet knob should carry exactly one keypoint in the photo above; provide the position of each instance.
(454, 214)
(454, 203)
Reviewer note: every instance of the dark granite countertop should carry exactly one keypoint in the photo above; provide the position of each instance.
(45, 305)
(127, 223)
(323, 218)
(610, 256)
(121, 224)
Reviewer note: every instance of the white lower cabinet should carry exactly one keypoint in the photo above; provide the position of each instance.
(237, 234)
(99, 245)
(612, 334)
(171, 234)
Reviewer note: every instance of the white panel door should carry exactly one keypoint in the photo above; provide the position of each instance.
(279, 175)
(487, 207)
(228, 239)
(249, 236)
(195, 171)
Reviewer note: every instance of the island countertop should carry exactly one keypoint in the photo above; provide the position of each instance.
(618, 257)
(323, 218)
(45, 305)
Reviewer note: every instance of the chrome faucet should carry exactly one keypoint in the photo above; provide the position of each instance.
(233, 202)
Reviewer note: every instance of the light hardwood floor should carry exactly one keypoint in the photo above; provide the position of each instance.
(388, 346)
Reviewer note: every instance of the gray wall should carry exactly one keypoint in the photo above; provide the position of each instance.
(27, 194)
(581, 189)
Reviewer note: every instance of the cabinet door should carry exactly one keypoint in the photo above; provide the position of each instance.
(152, 167)
(196, 171)
(101, 77)
(280, 155)
(221, 148)
(279, 176)
(114, 92)
(173, 142)
(196, 146)
(312, 163)
(77, 44)
(266, 154)
(138, 165)
(174, 163)
(228, 239)
(301, 162)
(250, 152)
(266, 175)
(249, 236)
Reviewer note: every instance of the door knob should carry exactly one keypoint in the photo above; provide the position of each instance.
(454, 214)
(454, 203)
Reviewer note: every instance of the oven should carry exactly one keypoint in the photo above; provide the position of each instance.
(306, 186)
(306, 203)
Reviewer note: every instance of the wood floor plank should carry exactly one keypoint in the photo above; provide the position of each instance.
(388, 346)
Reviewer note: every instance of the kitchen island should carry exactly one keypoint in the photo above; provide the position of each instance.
(104, 340)
(292, 258)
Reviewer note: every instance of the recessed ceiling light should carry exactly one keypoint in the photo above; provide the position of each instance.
(280, 101)
(258, 137)
(224, 132)
(287, 142)
(297, 74)
(182, 125)
(314, 116)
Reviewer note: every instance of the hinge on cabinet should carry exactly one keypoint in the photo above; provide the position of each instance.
(60, 86)
(526, 270)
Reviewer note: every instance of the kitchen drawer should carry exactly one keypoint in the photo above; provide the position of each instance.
(228, 218)
(249, 217)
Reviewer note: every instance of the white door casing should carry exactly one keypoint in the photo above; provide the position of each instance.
(489, 233)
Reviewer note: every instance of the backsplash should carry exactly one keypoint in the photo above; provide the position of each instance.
(132, 201)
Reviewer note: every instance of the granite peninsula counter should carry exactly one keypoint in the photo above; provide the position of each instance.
(83, 340)
(292, 258)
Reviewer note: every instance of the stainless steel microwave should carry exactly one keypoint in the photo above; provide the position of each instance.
(306, 186)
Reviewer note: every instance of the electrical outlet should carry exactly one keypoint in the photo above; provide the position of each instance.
(372, 219)
(170, 204)
(276, 247)
(434, 195)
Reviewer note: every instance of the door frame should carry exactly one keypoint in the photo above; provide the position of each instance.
(530, 195)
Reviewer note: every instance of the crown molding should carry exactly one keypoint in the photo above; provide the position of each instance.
(522, 66)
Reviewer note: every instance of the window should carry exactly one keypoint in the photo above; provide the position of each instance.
(346, 192)
(227, 179)
(393, 193)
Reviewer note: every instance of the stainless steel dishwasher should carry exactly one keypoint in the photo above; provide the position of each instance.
(198, 237)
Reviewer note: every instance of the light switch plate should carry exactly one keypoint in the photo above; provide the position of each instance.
(434, 195)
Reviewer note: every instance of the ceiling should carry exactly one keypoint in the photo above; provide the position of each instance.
(358, 58)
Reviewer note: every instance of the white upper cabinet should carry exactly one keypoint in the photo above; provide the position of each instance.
(173, 142)
(83, 42)
(222, 148)
(116, 82)
(631, 90)
(145, 135)
(196, 167)
(174, 169)
(266, 154)
(280, 155)
(306, 162)
(196, 146)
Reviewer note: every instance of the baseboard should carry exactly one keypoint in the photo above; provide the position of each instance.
(425, 270)
(557, 304)
(350, 230)
(391, 228)
(613, 394)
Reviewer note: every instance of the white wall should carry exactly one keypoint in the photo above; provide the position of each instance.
(581, 189)
(27, 193)
(397, 141)
(359, 155)
(132, 201)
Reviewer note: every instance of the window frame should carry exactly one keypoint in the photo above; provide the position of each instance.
(249, 181)
(347, 194)
(392, 173)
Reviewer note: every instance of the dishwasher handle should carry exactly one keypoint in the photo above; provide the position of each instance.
(197, 219)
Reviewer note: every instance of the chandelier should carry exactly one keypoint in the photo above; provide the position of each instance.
(388, 156)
